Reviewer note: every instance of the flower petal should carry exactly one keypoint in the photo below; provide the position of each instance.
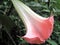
(39, 31)
(39, 28)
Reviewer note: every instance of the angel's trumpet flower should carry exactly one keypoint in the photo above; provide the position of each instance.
(38, 28)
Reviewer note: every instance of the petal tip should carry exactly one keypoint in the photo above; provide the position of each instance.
(34, 40)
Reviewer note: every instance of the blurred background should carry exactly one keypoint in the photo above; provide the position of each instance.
(12, 27)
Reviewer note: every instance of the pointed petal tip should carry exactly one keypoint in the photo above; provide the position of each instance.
(51, 19)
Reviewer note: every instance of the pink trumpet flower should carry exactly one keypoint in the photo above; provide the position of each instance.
(38, 28)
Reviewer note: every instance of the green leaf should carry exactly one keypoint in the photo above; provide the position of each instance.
(45, 10)
(52, 42)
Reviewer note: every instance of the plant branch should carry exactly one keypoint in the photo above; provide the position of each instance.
(10, 38)
(48, 3)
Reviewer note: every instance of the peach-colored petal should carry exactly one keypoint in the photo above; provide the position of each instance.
(39, 31)
(38, 28)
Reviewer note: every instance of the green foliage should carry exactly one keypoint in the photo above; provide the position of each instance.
(12, 27)
(52, 42)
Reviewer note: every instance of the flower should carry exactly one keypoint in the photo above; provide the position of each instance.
(38, 28)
